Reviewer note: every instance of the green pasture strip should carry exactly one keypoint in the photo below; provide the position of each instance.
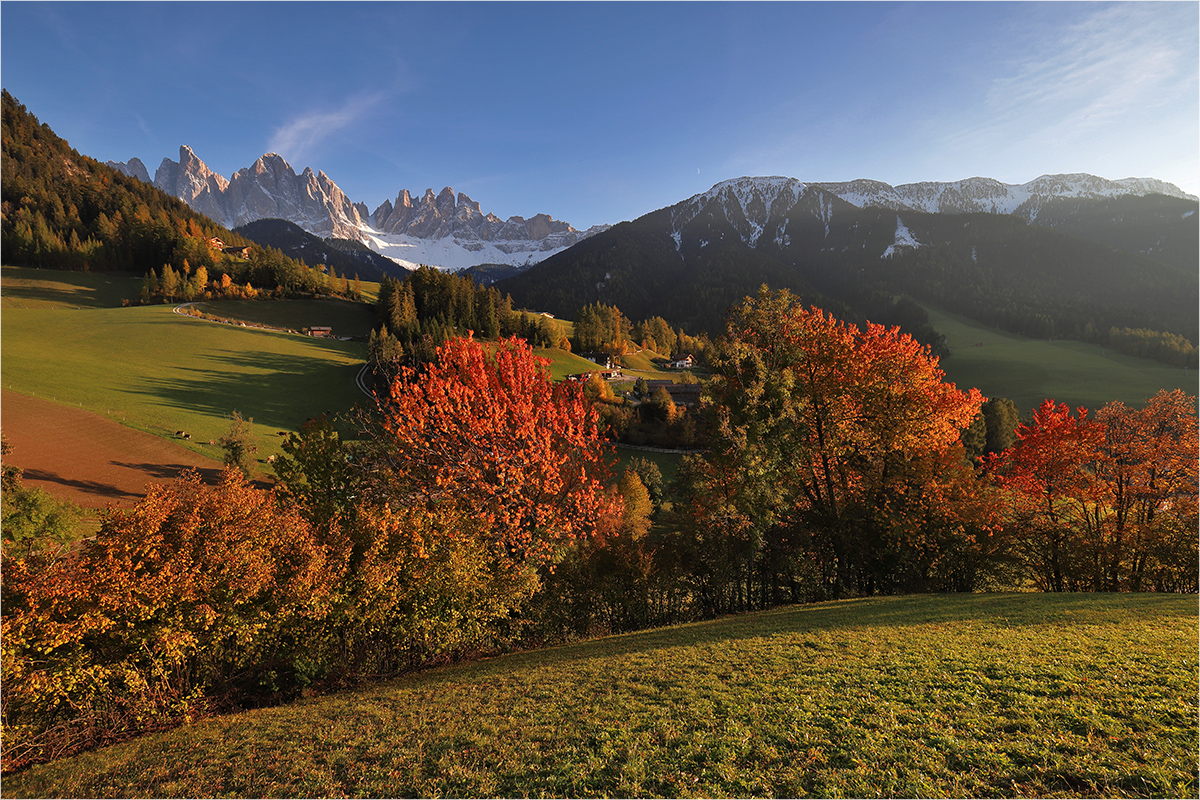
(566, 326)
(161, 372)
(370, 290)
(644, 360)
(1027, 370)
(23, 287)
(1026, 695)
(345, 317)
(668, 463)
(563, 363)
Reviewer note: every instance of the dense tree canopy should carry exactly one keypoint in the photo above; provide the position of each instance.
(483, 431)
(1109, 503)
(827, 438)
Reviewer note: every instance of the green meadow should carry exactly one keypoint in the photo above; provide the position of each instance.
(161, 372)
(66, 337)
(1011, 695)
(1027, 370)
(21, 287)
(563, 363)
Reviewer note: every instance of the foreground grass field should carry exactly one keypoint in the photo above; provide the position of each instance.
(929, 696)
(1027, 371)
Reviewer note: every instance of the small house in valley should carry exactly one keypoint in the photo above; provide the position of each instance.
(603, 359)
(685, 361)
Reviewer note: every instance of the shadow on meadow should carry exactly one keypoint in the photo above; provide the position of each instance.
(276, 390)
(101, 490)
(165, 473)
(68, 289)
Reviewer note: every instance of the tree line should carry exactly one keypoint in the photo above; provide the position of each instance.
(416, 315)
(477, 506)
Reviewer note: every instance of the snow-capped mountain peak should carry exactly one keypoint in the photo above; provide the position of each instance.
(752, 205)
(746, 202)
(444, 229)
(986, 195)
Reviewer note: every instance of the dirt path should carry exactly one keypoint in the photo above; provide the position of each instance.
(86, 458)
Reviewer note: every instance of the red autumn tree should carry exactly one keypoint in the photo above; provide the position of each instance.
(1149, 466)
(481, 435)
(1110, 503)
(1053, 490)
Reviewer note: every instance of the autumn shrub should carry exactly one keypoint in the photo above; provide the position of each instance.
(605, 584)
(197, 595)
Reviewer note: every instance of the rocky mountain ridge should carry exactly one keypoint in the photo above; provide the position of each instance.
(445, 230)
(760, 198)
(1060, 256)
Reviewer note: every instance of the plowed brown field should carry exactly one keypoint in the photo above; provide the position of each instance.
(86, 458)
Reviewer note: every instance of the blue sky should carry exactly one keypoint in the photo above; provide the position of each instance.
(597, 113)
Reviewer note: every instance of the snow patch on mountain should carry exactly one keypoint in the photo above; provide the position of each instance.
(904, 239)
(450, 253)
(752, 201)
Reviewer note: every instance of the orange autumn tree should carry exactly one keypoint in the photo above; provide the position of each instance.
(829, 442)
(495, 457)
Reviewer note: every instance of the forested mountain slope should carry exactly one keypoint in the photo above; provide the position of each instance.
(690, 261)
(65, 210)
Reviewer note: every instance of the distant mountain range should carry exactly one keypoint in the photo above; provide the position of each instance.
(451, 231)
(444, 229)
(1062, 256)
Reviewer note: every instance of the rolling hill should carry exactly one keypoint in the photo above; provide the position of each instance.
(988, 695)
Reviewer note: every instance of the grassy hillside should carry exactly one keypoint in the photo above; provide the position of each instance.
(1029, 370)
(161, 372)
(563, 363)
(21, 287)
(927, 696)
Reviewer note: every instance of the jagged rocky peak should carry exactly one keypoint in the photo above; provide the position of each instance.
(193, 182)
(134, 168)
(450, 222)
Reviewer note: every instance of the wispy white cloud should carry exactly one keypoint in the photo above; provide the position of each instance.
(1111, 79)
(300, 137)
